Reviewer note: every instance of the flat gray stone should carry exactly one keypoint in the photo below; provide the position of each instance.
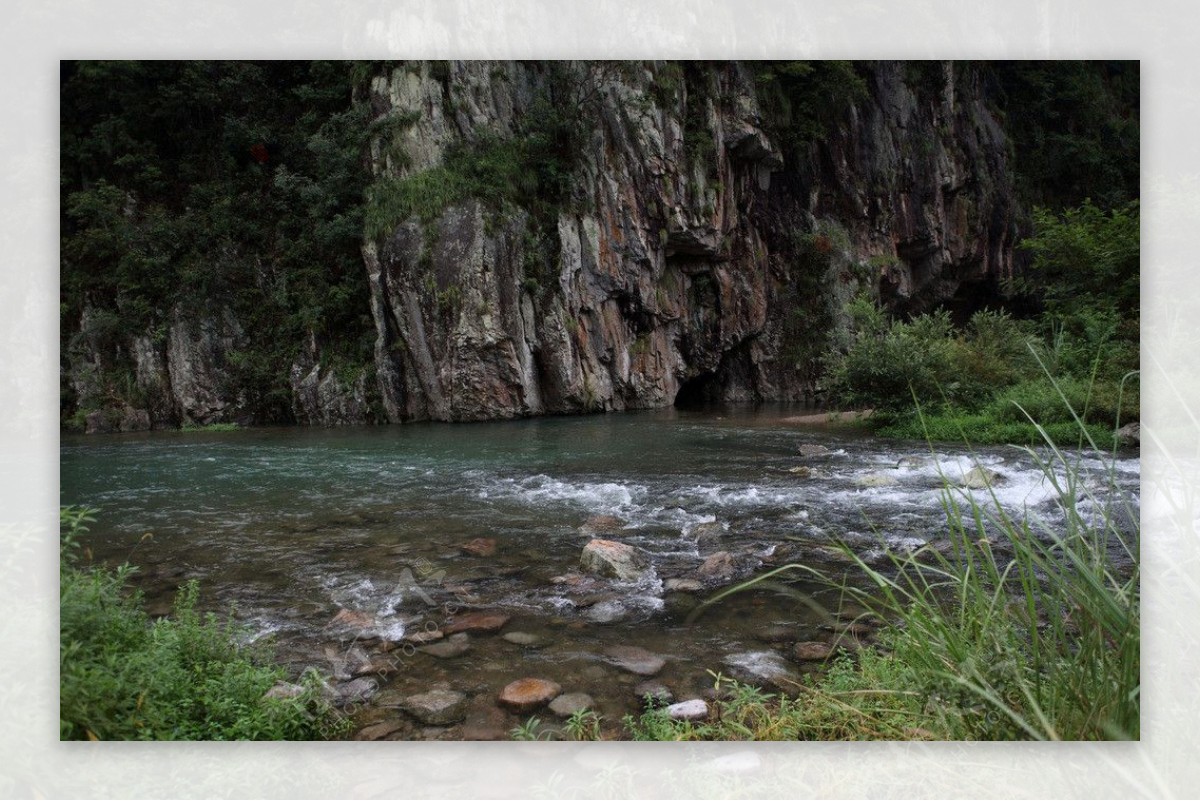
(452, 646)
(634, 659)
(436, 707)
(570, 703)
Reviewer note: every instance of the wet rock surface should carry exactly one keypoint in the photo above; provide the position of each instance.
(526, 695)
(436, 707)
(635, 659)
(614, 559)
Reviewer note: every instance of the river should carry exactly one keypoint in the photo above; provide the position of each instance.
(341, 543)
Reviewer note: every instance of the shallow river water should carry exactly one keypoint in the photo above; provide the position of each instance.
(342, 544)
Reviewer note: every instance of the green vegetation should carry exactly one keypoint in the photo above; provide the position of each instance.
(123, 677)
(210, 427)
(989, 382)
(205, 185)
(802, 100)
(1074, 126)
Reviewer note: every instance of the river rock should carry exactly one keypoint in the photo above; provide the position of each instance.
(379, 666)
(352, 619)
(605, 612)
(718, 567)
(477, 622)
(760, 667)
(875, 480)
(526, 695)
(812, 651)
(980, 477)
(614, 559)
(480, 546)
(809, 450)
(424, 636)
(452, 646)
(708, 535)
(683, 585)
(378, 731)
(436, 707)
(634, 659)
(601, 524)
(523, 638)
(284, 690)
(653, 693)
(570, 703)
(485, 721)
(695, 709)
(360, 689)
(1129, 435)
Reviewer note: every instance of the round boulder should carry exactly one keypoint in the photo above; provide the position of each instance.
(526, 695)
(614, 560)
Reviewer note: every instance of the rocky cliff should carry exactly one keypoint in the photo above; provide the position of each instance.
(679, 271)
(552, 238)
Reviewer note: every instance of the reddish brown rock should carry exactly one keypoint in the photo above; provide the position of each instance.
(601, 524)
(477, 622)
(812, 651)
(526, 695)
(480, 546)
(718, 566)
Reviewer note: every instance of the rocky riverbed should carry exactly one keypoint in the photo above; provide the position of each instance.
(453, 581)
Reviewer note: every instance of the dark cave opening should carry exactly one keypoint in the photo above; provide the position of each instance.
(699, 392)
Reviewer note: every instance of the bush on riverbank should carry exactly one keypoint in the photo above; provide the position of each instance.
(123, 677)
(985, 383)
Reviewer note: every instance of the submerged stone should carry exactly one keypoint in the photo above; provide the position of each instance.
(526, 695)
(634, 659)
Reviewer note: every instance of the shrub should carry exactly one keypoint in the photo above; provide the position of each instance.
(188, 678)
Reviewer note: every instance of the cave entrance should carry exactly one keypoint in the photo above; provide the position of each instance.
(699, 392)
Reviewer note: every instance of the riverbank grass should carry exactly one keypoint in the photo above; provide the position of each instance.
(189, 677)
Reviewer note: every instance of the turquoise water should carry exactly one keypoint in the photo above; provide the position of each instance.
(291, 526)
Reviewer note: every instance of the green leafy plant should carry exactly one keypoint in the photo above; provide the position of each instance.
(189, 677)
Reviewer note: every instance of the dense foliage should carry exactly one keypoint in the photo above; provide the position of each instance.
(193, 186)
(123, 677)
(989, 382)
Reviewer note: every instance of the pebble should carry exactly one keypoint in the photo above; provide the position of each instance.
(523, 638)
(695, 709)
